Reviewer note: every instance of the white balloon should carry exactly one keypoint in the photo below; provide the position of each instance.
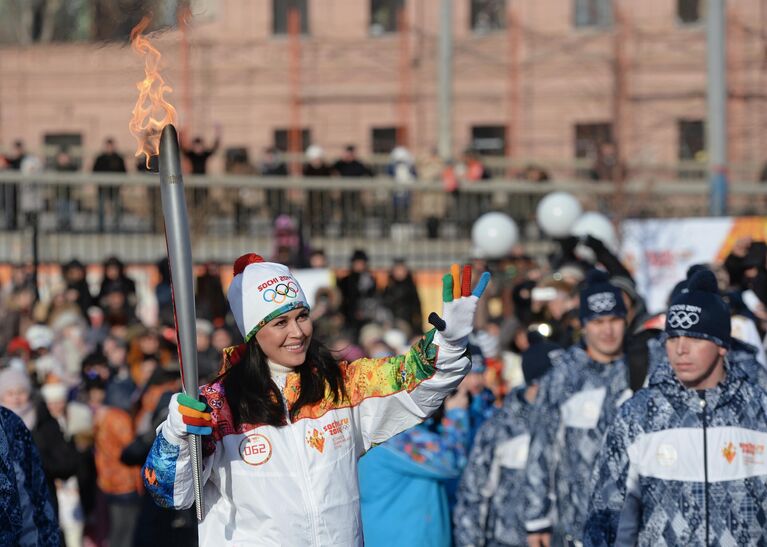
(557, 213)
(599, 226)
(494, 234)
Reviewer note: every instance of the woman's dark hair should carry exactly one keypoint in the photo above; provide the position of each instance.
(255, 399)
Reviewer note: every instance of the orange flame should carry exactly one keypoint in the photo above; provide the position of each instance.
(152, 112)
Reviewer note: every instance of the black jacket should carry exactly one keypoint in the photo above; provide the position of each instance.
(59, 457)
(401, 298)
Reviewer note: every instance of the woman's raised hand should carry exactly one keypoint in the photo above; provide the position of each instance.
(459, 304)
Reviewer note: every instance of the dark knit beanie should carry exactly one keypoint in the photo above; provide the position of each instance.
(699, 311)
(599, 298)
(536, 360)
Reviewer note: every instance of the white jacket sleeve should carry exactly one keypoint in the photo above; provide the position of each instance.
(167, 472)
(393, 394)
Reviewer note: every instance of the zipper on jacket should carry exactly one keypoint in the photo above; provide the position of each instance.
(314, 512)
(705, 464)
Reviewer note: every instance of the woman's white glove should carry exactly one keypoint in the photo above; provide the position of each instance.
(188, 416)
(459, 304)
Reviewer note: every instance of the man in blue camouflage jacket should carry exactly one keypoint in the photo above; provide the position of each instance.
(685, 462)
(579, 398)
(27, 518)
(488, 512)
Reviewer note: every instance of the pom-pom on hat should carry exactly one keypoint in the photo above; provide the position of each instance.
(260, 291)
(682, 285)
(599, 297)
(699, 311)
(536, 360)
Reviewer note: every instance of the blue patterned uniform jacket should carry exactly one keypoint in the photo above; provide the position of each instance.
(579, 398)
(26, 512)
(488, 512)
(744, 355)
(678, 468)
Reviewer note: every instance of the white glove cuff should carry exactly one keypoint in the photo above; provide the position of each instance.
(173, 428)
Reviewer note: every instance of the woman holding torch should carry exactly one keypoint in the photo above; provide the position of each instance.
(284, 424)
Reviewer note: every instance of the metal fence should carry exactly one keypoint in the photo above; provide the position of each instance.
(90, 216)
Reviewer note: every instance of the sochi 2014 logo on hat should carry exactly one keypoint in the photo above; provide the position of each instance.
(281, 292)
(601, 302)
(683, 316)
(255, 449)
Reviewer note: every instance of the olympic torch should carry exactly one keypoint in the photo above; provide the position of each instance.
(182, 283)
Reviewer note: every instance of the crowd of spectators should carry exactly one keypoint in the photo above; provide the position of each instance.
(112, 207)
(92, 381)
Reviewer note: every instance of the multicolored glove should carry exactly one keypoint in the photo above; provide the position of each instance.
(188, 416)
(459, 303)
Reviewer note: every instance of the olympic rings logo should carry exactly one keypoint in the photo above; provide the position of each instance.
(281, 292)
(679, 319)
(601, 302)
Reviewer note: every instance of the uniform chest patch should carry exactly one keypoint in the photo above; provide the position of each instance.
(666, 455)
(255, 449)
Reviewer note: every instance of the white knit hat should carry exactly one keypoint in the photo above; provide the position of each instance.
(79, 418)
(39, 337)
(260, 291)
(54, 393)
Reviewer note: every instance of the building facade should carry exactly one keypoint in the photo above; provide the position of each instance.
(534, 80)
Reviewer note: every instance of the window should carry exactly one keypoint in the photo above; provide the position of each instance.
(384, 16)
(280, 10)
(589, 137)
(489, 140)
(593, 13)
(45, 22)
(282, 143)
(110, 21)
(488, 15)
(689, 11)
(691, 139)
(692, 147)
(384, 139)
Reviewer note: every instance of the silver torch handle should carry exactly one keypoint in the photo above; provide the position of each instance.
(182, 283)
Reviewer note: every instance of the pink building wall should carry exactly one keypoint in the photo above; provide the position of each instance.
(351, 82)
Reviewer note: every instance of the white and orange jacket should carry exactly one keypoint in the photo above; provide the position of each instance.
(297, 484)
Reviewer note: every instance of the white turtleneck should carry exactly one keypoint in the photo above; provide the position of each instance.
(278, 370)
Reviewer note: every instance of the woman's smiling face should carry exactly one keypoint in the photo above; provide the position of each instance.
(285, 339)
